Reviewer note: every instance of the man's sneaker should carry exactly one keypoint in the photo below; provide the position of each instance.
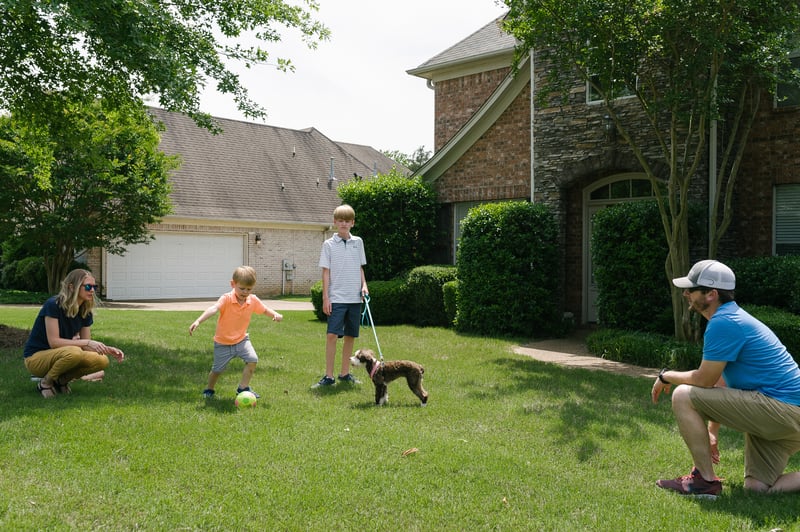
(349, 379)
(693, 484)
(208, 393)
(247, 389)
(325, 381)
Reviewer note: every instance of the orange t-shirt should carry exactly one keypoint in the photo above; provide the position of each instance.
(235, 318)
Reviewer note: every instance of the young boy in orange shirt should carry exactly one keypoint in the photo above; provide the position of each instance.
(231, 339)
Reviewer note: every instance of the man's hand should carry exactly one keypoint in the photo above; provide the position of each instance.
(659, 387)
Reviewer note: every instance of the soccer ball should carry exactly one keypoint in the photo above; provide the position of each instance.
(245, 400)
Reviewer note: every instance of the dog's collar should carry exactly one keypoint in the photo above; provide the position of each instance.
(375, 369)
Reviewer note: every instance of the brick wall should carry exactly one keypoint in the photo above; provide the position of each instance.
(771, 158)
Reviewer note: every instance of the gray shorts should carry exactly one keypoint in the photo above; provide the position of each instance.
(223, 354)
(771, 427)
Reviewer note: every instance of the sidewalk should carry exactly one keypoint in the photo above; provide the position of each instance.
(572, 352)
(199, 305)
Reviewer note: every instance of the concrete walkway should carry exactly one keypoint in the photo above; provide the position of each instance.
(200, 305)
(570, 351)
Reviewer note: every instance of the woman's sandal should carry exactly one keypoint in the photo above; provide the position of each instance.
(47, 391)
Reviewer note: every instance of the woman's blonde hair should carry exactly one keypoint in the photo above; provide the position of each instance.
(67, 298)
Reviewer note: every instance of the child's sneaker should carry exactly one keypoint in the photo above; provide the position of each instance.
(693, 484)
(208, 393)
(349, 379)
(325, 381)
(247, 389)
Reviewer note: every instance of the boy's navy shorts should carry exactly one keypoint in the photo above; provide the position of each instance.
(344, 319)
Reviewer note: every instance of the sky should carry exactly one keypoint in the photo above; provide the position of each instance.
(354, 87)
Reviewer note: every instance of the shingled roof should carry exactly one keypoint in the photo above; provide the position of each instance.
(487, 42)
(258, 173)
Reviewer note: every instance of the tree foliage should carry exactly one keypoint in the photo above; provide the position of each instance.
(124, 50)
(396, 217)
(88, 177)
(414, 161)
(690, 65)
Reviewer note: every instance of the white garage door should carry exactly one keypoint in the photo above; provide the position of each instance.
(175, 266)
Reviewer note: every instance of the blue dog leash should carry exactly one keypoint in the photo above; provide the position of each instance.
(367, 313)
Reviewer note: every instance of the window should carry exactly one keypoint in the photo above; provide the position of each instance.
(788, 94)
(787, 219)
(620, 90)
(623, 189)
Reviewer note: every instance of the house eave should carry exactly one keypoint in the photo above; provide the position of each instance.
(477, 125)
(465, 66)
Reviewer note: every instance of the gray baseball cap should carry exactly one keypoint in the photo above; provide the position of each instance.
(708, 273)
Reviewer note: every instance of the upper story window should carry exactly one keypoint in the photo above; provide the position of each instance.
(787, 94)
(592, 96)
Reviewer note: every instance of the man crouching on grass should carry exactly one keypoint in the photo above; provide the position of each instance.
(762, 399)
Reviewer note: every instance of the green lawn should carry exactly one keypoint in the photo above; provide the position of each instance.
(506, 442)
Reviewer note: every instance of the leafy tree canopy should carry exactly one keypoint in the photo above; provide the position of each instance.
(686, 64)
(414, 161)
(125, 50)
(89, 177)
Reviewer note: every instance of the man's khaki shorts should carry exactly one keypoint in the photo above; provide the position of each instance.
(771, 427)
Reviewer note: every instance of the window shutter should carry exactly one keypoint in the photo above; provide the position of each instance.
(787, 220)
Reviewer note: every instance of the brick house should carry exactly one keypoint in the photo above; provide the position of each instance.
(255, 194)
(493, 143)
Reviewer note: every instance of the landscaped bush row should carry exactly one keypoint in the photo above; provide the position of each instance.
(653, 350)
(416, 298)
(768, 281)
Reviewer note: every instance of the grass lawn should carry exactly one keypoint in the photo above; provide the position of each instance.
(506, 442)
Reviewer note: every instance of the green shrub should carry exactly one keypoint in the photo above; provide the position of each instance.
(26, 274)
(396, 217)
(652, 350)
(768, 281)
(450, 293)
(388, 302)
(508, 271)
(785, 325)
(424, 285)
(649, 350)
(633, 292)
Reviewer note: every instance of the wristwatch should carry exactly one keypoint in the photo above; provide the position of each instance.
(661, 376)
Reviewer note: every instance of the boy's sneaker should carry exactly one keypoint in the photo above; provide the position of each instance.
(247, 389)
(693, 484)
(325, 381)
(208, 393)
(349, 379)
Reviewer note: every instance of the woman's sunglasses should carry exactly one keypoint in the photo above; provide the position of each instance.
(90, 287)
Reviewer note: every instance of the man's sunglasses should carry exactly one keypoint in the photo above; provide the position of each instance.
(90, 287)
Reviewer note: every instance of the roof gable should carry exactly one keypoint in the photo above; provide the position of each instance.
(258, 173)
(489, 45)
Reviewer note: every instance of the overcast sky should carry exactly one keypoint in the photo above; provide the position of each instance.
(354, 87)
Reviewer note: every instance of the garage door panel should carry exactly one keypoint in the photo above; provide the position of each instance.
(175, 266)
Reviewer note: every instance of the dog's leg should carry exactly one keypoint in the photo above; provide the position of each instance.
(415, 384)
(381, 394)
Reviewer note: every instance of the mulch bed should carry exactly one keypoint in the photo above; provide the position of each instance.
(11, 337)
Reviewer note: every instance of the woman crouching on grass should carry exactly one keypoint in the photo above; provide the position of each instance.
(60, 348)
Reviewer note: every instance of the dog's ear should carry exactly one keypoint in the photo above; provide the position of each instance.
(357, 353)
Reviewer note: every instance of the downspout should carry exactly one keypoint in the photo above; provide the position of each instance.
(712, 175)
(533, 151)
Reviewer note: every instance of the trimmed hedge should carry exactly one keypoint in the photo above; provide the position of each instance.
(508, 271)
(425, 287)
(652, 350)
(768, 281)
(416, 298)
